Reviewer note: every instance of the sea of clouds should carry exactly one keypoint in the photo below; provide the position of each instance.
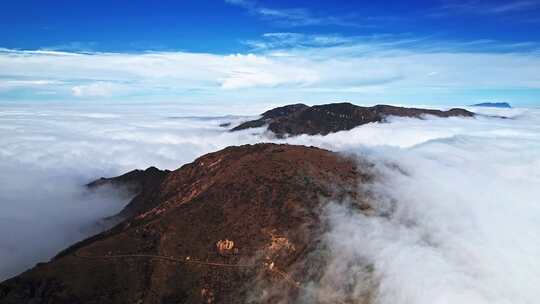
(456, 221)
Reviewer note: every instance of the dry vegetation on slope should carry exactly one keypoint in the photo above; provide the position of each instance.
(238, 225)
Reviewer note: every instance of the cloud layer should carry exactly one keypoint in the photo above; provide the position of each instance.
(285, 67)
(456, 223)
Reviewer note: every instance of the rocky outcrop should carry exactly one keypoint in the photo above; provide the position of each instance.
(239, 225)
(324, 119)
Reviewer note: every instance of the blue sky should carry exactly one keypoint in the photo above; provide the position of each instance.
(424, 52)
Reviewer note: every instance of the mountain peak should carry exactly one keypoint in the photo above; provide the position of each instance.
(210, 231)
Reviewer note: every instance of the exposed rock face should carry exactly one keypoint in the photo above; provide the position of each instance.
(324, 119)
(231, 227)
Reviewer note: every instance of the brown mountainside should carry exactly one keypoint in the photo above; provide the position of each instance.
(239, 225)
(300, 119)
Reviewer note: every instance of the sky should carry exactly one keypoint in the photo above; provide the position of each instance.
(447, 52)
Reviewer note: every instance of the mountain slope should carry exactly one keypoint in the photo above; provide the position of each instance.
(239, 225)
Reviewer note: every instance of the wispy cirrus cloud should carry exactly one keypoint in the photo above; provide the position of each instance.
(514, 6)
(292, 16)
(278, 40)
(477, 7)
(74, 46)
(383, 44)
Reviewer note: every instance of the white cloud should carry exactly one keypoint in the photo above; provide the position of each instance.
(514, 6)
(248, 71)
(467, 208)
(485, 7)
(295, 40)
(26, 83)
(458, 223)
(77, 46)
(455, 213)
(98, 89)
(244, 3)
(291, 16)
(294, 63)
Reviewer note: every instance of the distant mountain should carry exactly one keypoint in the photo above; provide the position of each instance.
(300, 119)
(240, 225)
(493, 105)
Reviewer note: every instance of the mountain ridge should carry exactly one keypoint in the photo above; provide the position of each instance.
(238, 224)
(298, 119)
